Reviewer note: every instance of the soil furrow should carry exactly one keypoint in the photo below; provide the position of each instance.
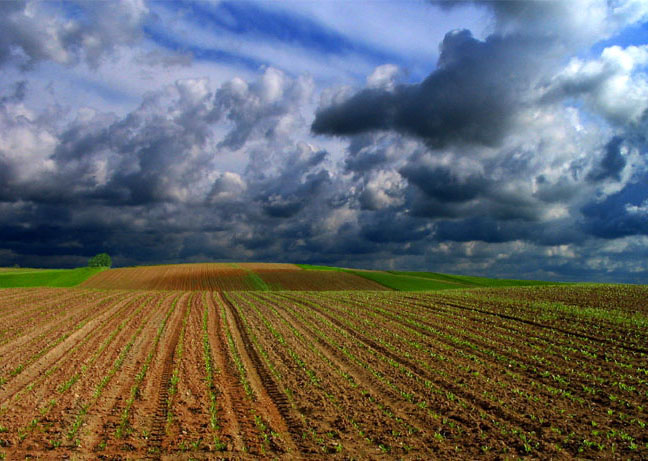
(274, 405)
(421, 374)
(480, 374)
(38, 367)
(332, 363)
(551, 327)
(16, 315)
(506, 349)
(47, 329)
(236, 408)
(105, 416)
(62, 380)
(158, 424)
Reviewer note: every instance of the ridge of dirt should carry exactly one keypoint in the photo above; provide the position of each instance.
(273, 405)
(340, 375)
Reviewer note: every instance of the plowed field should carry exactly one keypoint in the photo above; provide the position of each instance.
(228, 277)
(131, 374)
(211, 276)
(316, 281)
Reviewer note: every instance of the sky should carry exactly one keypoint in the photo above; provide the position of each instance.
(504, 138)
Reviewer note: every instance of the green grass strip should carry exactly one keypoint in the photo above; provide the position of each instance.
(426, 281)
(257, 282)
(47, 277)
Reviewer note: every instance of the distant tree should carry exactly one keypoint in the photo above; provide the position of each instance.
(100, 260)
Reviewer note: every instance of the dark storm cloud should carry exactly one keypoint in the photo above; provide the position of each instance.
(288, 204)
(365, 161)
(299, 180)
(501, 206)
(471, 98)
(150, 155)
(561, 190)
(365, 152)
(45, 234)
(574, 23)
(441, 183)
(483, 229)
(158, 152)
(6, 179)
(63, 235)
(482, 190)
(620, 214)
(146, 180)
(490, 230)
(386, 227)
(611, 164)
(530, 13)
(478, 87)
(140, 152)
(490, 116)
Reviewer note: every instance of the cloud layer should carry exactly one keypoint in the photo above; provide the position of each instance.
(520, 153)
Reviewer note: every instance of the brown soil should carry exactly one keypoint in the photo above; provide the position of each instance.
(213, 276)
(319, 375)
(317, 281)
(227, 277)
(271, 267)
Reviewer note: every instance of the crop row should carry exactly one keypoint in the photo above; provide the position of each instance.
(499, 369)
(304, 374)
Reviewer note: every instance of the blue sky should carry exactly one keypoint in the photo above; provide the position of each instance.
(476, 137)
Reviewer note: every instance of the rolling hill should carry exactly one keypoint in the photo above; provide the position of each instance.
(248, 277)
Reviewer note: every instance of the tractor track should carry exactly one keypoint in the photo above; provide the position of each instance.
(244, 435)
(276, 398)
(158, 425)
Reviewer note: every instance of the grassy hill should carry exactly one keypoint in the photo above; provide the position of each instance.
(423, 281)
(11, 278)
(248, 276)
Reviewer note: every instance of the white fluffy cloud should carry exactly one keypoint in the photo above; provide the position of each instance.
(614, 85)
(36, 31)
(383, 189)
